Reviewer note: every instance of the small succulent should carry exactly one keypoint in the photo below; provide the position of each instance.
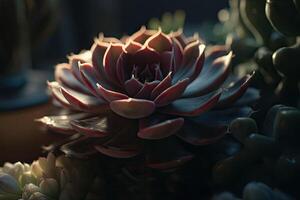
(146, 93)
(49, 178)
(255, 191)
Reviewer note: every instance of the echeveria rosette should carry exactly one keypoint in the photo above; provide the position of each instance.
(138, 95)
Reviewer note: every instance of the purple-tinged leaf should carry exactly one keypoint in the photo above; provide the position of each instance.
(74, 61)
(198, 65)
(131, 46)
(98, 50)
(125, 142)
(210, 79)
(234, 92)
(146, 56)
(142, 35)
(192, 106)
(146, 90)
(133, 108)
(133, 86)
(162, 86)
(160, 42)
(201, 134)
(212, 53)
(110, 95)
(57, 95)
(92, 127)
(158, 74)
(180, 37)
(120, 71)
(117, 152)
(191, 52)
(193, 38)
(177, 55)
(159, 130)
(172, 93)
(193, 59)
(166, 62)
(90, 78)
(166, 154)
(61, 123)
(84, 102)
(110, 59)
(64, 76)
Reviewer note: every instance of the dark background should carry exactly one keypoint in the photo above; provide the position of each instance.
(80, 21)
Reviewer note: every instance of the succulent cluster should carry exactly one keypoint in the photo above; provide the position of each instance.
(146, 94)
(262, 34)
(50, 178)
(254, 191)
(271, 155)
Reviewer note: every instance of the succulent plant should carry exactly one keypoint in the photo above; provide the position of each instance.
(255, 191)
(286, 24)
(145, 94)
(49, 178)
(270, 155)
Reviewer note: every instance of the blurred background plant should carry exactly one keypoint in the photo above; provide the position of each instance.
(169, 22)
(270, 155)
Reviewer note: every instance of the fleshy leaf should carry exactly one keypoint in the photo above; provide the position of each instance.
(92, 127)
(166, 59)
(160, 42)
(180, 37)
(90, 78)
(64, 75)
(61, 123)
(161, 130)
(192, 106)
(210, 79)
(146, 56)
(234, 92)
(133, 86)
(117, 152)
(146, 90)
(177, 55)
(110, 62)
(131, 46)
(201, 134)
(98, 50)
(172, 93)
(84, 102)
(162, 86)
(193, 59)
(57, 95)
(166, 154)
(142, 35)
(110, 95)
(133, 108)
(75, 59)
